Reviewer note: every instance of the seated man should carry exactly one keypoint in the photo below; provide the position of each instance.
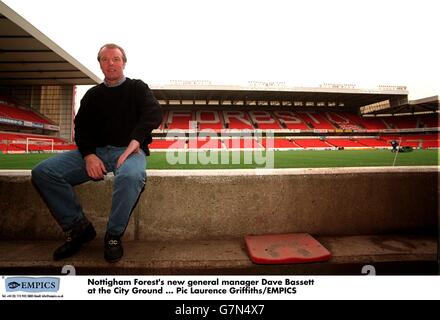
(112, 131)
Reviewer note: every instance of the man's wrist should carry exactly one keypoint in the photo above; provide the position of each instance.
(90, 155)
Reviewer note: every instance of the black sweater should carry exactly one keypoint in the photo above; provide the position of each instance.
(116, 115)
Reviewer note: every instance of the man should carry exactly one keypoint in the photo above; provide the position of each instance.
(112, 131)
(394, 145)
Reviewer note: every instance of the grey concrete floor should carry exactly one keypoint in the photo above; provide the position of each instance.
(390, 254)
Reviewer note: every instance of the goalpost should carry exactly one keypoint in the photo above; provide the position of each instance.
(44, 142)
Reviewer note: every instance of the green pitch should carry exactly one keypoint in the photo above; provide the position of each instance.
(240, 160)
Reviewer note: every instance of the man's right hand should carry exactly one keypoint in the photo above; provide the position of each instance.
(95, 167)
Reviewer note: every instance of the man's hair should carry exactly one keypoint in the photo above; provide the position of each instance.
(113, 46)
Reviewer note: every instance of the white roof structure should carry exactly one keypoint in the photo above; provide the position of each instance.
(29, 57)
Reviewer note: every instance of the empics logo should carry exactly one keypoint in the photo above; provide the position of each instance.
(30, 284)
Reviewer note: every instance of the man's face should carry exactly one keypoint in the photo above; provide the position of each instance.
(112, 64)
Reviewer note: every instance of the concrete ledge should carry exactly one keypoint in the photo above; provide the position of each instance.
(221, 204)
(396, 255)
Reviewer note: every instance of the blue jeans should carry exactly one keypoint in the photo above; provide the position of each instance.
(56, 176)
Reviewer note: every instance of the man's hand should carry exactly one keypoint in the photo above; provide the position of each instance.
(133, 147)
(95, 167)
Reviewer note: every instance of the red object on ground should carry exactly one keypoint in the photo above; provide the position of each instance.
(285, 248)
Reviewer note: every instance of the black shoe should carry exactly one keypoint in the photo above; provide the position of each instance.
(113, 251)
(76, 237)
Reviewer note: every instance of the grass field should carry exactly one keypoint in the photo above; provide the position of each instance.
(281, 159)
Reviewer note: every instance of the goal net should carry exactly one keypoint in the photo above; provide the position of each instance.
(39, 145)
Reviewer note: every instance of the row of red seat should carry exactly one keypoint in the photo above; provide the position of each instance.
(301, 120)
(16, 142)
(264, 120)
(21, 147)
(16, 136)
(425, 142)
(10, 112)
(419, 141)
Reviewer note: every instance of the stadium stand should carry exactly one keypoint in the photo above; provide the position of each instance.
(209, 119)
(316, 120)
(280, 143)
(431, 144)
(345, 143)
(368, 123)
(403, 122)
(205, 143)
(308, 129)
(245, 143)
(179, 119)
(162, 144)
(264, 120)
(22, 142)
(236, 119)
(342, 120)
(290, 120)
(428, 121)
(18, 113)
(287, 123)
(164, 124)
(313, 143)
(373, 142)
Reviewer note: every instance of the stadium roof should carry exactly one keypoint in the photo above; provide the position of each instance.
(429, 104)
(295, 96)
(29, 57)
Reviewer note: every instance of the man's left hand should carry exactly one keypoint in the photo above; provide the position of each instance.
(131, 148)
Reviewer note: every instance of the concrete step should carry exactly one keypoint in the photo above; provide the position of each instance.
(389, 254)
(225, 204)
